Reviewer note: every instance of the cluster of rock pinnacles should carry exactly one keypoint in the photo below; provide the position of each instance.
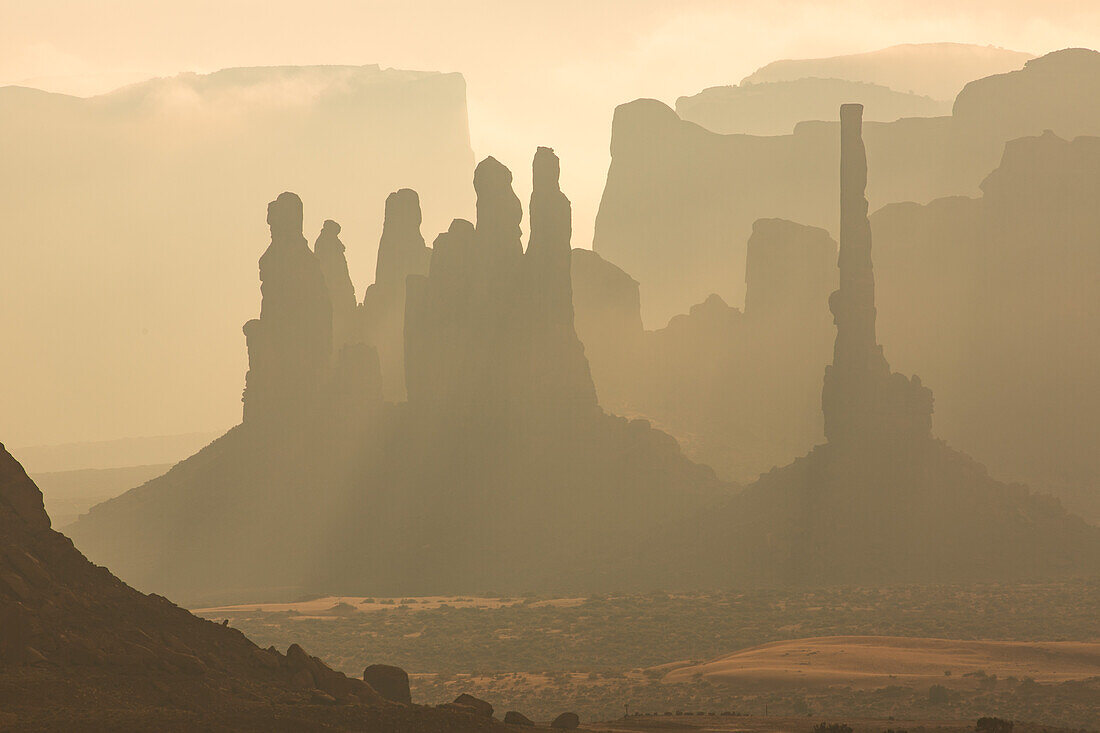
(431, 317)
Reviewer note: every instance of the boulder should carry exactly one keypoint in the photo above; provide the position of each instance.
(566, 721)
(513, 718)
(392, 683)
(480, 707)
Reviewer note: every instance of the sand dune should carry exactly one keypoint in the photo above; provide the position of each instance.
(875, 661)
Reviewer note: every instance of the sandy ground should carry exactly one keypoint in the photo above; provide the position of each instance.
(334, 606)
(775, 724)
(877, 661)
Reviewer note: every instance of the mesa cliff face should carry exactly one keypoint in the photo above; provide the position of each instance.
(500, 451)
(776, 108)
(741, 391)
(678, 203)
(1010, 335)
(938, 70)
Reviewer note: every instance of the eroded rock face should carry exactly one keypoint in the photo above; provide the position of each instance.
(290, 344)
(401, 253)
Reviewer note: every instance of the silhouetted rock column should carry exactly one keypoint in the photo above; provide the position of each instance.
(489, 333)
(290, 344)
(557, 365)
(334, 266)
(439, 356)
(401, 253)
(861, 399)
(491, 284)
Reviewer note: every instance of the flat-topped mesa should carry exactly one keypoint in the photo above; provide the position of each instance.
(334, 267)
(401, 253)
(790, 270)
(861, 399)
(290, 344)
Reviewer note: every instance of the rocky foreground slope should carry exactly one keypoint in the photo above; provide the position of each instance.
(81, 650)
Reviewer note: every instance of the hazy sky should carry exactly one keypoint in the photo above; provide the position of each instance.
(545, 73)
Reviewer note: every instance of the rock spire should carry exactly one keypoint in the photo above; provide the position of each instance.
(861, 399)
(290, 344)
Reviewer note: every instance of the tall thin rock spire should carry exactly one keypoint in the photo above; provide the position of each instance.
(863, 402)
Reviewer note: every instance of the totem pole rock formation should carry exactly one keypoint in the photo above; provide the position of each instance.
(556, 354)
(490, 330)
(861, 399)
(401, 253)
(290, 344)
(334, 266)
(499, 452)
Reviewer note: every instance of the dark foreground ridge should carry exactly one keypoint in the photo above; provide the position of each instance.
(81, 650)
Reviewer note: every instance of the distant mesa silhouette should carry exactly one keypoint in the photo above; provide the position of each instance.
(967, 295)
(938, 70)
(881, 500)
(500, 451)
(678, 204)
(776, 107)
(994, 300)
(740, 390)
(71, 632)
